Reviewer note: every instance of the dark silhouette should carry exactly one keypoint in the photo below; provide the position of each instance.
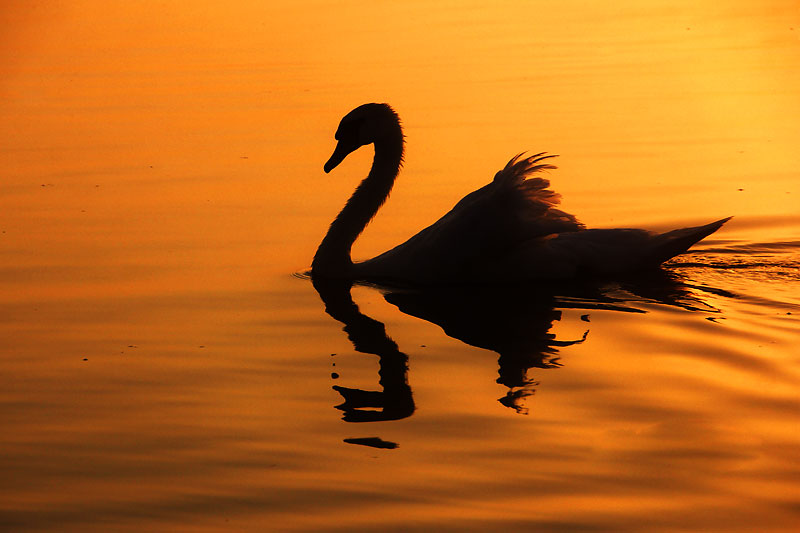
(508, 230)
(512, 320)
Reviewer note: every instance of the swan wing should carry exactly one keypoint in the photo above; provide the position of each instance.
(531, 204)
(514, 208)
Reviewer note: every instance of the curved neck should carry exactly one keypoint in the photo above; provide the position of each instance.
(333, 254)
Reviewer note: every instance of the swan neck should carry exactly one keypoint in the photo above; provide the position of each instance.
(333, 254)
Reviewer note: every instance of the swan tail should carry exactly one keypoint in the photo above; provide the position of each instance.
(667, 245)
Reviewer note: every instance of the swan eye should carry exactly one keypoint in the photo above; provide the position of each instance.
(349, 131)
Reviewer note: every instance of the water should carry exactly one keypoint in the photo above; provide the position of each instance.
(164, 369)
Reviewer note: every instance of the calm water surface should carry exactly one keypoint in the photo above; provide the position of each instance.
(164, 369)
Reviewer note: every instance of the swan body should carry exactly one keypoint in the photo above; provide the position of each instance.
(508, 230)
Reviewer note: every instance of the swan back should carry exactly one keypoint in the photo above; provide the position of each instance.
(515, 207)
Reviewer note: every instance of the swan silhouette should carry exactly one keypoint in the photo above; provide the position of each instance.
(508, 230)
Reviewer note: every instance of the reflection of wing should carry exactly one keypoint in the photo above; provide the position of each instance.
(514, 208)
(515, 321)
(517, 328)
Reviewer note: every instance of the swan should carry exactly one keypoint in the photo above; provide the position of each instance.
(508, 230)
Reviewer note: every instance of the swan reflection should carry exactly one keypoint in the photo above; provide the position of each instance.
(514, 321)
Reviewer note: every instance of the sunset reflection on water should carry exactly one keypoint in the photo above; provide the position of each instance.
(163, 369)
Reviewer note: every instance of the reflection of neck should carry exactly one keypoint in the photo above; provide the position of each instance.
(333, 254)
(368, 335)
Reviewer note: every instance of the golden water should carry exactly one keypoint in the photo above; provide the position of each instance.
(163, 370)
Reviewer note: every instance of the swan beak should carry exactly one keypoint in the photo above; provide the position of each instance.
(342, 150)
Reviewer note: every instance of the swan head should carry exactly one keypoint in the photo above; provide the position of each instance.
(366, 124)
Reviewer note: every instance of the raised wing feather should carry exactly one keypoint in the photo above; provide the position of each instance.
(531, 204)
